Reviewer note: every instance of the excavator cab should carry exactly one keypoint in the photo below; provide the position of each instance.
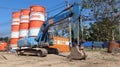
(50, 38)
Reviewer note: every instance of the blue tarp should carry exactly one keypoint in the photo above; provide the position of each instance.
(105, 44)
(88, 44)
(118, 42)
(98, 44)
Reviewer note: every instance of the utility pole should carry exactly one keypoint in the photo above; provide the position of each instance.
(119, 29)
(81, 26)
(78, 38)
(70, 34)
(82, 29)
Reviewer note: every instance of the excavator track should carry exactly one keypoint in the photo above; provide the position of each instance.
(42, 52)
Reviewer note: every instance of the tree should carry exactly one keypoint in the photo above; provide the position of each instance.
(102, 31)
(106, 17)
(5, 39)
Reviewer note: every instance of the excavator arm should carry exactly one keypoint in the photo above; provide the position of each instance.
(74, 11)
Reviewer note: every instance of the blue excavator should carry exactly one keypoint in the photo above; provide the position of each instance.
(40, 44)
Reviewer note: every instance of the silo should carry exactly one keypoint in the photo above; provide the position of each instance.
(37, 14)
(24, 23)
(15, 29)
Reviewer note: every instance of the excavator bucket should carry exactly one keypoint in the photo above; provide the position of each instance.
(77, 53)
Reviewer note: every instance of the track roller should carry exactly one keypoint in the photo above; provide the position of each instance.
(19, 52)
(53, 51)
(41, 52)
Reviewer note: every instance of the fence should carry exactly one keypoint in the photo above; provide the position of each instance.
(96, 44)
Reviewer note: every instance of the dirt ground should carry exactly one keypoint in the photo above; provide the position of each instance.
(94, 59)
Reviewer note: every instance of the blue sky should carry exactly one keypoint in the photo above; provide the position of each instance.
(9, 6)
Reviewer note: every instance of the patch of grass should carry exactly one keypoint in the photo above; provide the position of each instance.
(95, 50)
(111, 59)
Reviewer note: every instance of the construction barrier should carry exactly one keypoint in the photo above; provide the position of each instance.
(3, 46)
(61, 43)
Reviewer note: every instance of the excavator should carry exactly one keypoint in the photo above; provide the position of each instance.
(41, 44)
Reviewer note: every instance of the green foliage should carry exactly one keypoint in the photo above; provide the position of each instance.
(102, 31)
(106, 23)
(5, 39)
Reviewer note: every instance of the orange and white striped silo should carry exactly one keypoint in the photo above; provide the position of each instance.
(37, 18)
(15, 30)
(24, 23)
